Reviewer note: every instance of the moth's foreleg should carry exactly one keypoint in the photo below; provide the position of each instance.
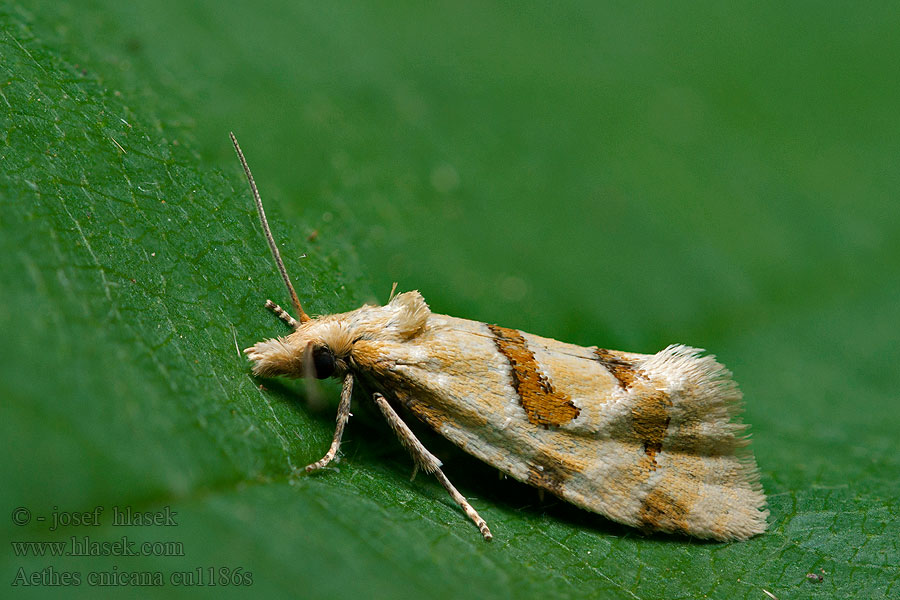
(428, 462)
(342, 416)
(282, 314)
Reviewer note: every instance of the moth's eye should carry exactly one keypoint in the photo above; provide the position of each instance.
(323, 362)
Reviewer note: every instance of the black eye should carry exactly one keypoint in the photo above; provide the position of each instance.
(323, 362)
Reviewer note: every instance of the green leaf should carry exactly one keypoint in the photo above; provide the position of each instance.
(628, 177)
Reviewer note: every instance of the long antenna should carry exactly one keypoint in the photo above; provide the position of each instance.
(301, 315)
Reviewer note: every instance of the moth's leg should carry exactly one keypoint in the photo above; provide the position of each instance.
(342, 416)
(428, 462)
(282, 314)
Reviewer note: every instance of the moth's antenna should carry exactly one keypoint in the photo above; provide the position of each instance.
(301, 315)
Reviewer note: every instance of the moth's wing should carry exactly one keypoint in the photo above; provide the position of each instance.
(647, 440)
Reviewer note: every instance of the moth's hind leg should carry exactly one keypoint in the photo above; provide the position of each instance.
(282, 314)
(343, 415)
(428, 462)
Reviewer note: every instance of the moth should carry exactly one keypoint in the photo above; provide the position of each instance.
(648, 440)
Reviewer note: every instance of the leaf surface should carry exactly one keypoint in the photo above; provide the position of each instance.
(723, 179)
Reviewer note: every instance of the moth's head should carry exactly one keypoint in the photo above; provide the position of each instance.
(317, 348)
(324, 346)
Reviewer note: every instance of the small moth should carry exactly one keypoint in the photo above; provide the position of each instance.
(651, 441)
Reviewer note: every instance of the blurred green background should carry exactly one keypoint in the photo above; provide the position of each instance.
(626, 175)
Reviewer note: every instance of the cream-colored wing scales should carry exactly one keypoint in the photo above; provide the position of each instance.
(664, 451)
(647, 440)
